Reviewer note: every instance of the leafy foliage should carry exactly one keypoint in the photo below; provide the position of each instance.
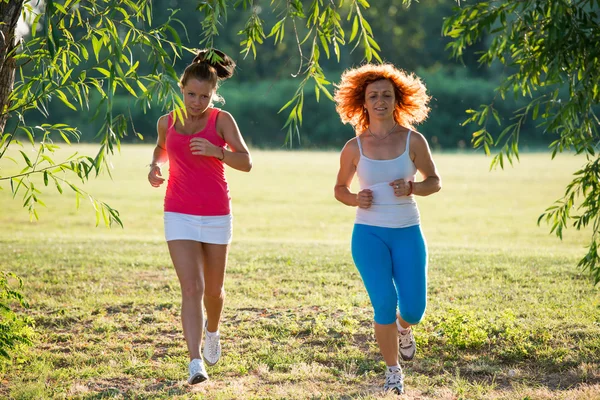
(322, 23)
(15, 329)
(54, 64)
(550, 54)
(93, 49)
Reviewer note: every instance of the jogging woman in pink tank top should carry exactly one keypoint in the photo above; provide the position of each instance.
(197, 217)
(388, 247)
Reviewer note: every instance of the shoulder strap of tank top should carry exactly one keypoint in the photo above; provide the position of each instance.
(408, 141)
(170, 123)
(359, 145)
(212, 118)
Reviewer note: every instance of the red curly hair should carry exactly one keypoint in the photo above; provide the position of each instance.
(411, 95)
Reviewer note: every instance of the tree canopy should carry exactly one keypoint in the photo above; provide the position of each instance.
(550, 54)
(89, 49)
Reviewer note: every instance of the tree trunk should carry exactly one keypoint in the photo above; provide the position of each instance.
(9, 16)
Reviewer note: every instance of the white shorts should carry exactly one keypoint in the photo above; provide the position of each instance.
(206, 229)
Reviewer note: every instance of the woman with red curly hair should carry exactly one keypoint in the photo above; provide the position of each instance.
(388, 247)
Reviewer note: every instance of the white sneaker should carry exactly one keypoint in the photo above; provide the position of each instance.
(197, 372)
(407, 347)
(212, 347)
(394, 381)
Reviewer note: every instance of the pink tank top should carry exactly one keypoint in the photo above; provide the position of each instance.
(197, 184)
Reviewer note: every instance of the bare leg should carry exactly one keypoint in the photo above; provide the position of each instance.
(402, 322)
(215, 262)
(387, 338)
(187, 258)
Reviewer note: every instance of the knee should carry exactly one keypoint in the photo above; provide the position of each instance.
(193, 289)
(413, 316)
(214, 293)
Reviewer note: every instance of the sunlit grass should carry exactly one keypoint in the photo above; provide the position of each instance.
(509, 315)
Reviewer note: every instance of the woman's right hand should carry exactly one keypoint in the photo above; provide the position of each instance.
(365, 198)
(155, 176)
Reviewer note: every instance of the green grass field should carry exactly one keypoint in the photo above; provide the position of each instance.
(509, 315)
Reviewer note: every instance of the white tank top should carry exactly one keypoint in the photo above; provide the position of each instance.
(387, 210)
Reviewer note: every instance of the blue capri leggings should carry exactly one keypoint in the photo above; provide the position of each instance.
(393, 265)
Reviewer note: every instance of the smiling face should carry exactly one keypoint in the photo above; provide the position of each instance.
(380, 99)
(197, 96)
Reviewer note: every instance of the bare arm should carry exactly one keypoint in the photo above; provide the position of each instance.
(348, 161)
(159, 155)
(239, 156)
(423, 160)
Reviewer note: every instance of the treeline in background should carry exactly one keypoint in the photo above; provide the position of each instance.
(410, 38)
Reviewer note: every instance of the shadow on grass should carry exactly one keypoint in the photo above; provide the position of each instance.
(118, 388)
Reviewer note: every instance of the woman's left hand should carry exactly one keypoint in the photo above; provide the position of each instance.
(202, 147)
(401, 187)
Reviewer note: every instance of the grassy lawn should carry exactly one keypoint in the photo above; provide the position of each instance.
(509, 314)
